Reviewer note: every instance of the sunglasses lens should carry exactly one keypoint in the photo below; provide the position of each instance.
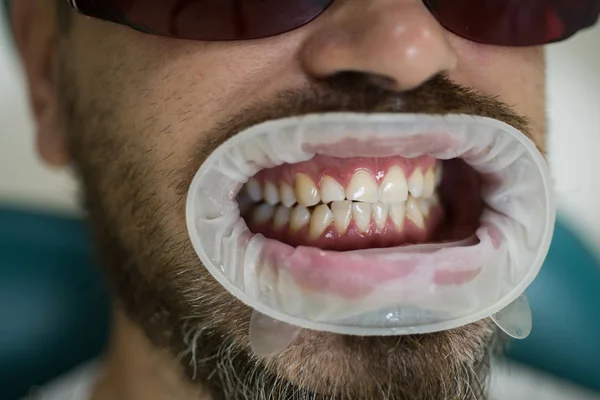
(515, 22)
(218, 19)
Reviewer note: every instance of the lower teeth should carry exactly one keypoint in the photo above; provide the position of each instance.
(368, 218)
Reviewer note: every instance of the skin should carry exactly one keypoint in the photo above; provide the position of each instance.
(136, 114)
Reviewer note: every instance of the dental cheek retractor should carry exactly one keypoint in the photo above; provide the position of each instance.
(387, 291)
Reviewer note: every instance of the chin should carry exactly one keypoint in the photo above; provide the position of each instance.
(444, 365)
(450, 364)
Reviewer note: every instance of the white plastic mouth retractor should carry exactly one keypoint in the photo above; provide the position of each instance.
(296, 286)
(269, 337)
(515, 319)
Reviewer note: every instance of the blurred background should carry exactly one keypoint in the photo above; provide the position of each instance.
(54, 311)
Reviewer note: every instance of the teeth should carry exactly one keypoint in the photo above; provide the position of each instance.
(286, 192)
(395, 198)
(331, 190)
(380, 214)
(342, 214)
(263, 214)
(299, 218)
(413, 212)
(362, 187)
(394, 188)
(415, 183)
(271, 194)
(429, 183)
(320, 220)
(424, 206)
(282, 217)
(439, 173)
(397, 213)
(361, 212)
(306, 191)
(254, 190)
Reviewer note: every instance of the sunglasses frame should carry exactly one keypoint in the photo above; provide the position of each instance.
(100, 11)
(97, 11)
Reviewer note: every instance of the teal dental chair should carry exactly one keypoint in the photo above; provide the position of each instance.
(54, 306)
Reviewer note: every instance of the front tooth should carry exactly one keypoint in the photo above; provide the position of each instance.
(439, 173)
(299, 218)
(394, 188)
(282, 217)
(331, 190)
(397, 213)
(425, 206)
(342, 214)
(362, 187)
(306, 191)
(361, 212)
(254, 190)
(413, 212)
(429, 183)
(271, 194)
(263, 214)
(286, 192)
(320, 220)
(380, 214)
(415, 183)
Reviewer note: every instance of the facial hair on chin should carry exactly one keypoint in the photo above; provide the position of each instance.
(136, 210)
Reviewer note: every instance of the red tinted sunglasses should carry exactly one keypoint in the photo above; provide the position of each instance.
(495, 22)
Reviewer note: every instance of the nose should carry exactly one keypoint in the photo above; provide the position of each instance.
(397, 43)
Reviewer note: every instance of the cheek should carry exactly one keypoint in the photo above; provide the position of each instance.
(170, 92)
(515, 75)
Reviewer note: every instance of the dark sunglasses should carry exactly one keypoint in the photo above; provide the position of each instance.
(494, 22)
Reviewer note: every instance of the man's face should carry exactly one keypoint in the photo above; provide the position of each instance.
(137, 114)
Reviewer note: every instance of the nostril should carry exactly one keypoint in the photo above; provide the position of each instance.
(361, 80)
(382, 81)
(370, 79)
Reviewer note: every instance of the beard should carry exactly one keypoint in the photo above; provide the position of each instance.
(134, 191)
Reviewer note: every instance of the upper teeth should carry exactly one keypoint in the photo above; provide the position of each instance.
(362, 187)
(331, 190)
(416, 183)
(306, 191)
(393, 188)
(287, 196)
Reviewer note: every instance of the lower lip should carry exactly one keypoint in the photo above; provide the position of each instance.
(353, 275)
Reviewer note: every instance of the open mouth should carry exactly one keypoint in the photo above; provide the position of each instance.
(374, 224)
(346, 204)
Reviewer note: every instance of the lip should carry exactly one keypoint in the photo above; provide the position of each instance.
(352, 292)
(356, 274)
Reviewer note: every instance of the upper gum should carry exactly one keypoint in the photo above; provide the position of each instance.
(344, 171)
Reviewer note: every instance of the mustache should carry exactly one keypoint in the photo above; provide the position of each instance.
(357, 92)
